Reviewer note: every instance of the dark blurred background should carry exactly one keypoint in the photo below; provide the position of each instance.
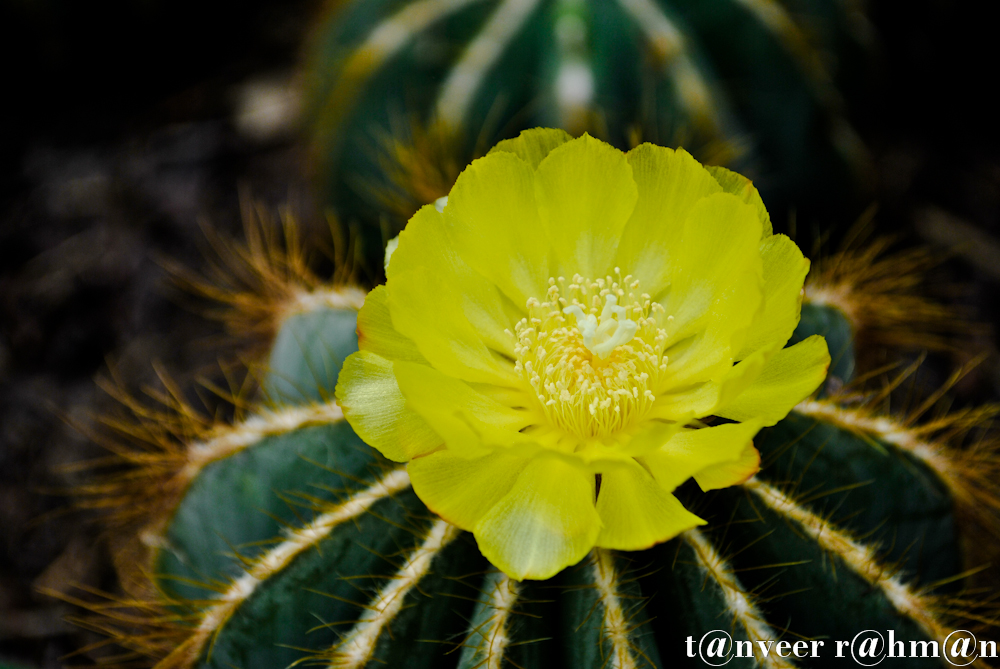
(130, 124)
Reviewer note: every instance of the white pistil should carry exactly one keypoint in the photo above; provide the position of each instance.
(602, 336)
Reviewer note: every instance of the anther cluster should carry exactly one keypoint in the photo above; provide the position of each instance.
(592, 352)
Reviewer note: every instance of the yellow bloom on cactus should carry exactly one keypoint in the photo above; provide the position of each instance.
(571, 335)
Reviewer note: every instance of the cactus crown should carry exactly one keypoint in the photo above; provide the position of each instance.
(283, 537)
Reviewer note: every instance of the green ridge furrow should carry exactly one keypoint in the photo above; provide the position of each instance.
(245, 499)
(913, 526)
(775, 122)
(585, 640)
(428, 631)
(402, 91)
(620, 88)
(514, 85)
(237, 503)
(802, 589)
(770, 91)
(317, 598)
(307, 355)
(687, 603)
(531, 628)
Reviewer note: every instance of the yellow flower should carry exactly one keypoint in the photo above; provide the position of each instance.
(550, 337)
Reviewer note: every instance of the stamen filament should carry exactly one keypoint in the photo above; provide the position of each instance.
(597, 376)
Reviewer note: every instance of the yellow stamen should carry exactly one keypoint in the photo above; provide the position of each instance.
(596, 377)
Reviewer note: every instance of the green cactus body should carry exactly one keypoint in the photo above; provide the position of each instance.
(296, 542)
(743, 82)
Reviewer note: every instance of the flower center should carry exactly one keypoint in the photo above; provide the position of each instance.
(592, 352)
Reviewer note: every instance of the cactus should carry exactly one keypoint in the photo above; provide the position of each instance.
(405, 92)
(282, 538)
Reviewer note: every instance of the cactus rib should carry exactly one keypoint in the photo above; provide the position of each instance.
(970, 474)
(668, 44)
(234, 439)
(385, 41)
(616, 626)
(738, 600)
(607, 623)
(227, 442)
(354, 651)
(276, 559)
(459, 88)
(778, 21)
(859, 558)
(494, 633)
(175, 444)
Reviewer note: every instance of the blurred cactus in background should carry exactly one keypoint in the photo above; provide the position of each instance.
(405, 93)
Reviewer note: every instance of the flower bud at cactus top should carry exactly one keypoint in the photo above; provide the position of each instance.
(555, 336)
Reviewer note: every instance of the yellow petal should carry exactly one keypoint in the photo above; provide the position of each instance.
(785, 270)
(715, 290)
(691, 452)
(376, 333)
(428, 247)
(743, 188)
(730, 473)
(544, 524)
(602, 454)
(719, 242)
(789, 376)
(454, 316)
(703, 399)
(462, 490)
(585, 194)
(443, 333)
(697, 400)
(533, 145)
(708, 355)
(637, 512)
(653, 436)
(669, 183)
(493, 222)
(374, 406)
(468, 422)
